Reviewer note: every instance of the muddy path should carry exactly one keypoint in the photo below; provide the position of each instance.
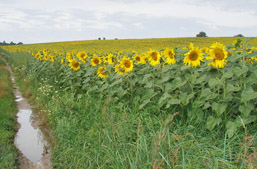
(34, 151)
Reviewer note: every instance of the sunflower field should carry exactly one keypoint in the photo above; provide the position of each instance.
(213, 83)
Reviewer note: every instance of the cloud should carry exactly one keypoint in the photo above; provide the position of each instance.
(126, 18)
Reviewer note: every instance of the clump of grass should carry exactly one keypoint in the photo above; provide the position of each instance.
(8, 152)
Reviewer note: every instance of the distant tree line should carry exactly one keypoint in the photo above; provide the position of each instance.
(11, 43)
(203, 34)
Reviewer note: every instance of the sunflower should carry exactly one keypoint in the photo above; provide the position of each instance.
(119, 69)
(138, 59)
(105, 59)
(204, 50)
(218, 55)
(51, 58)
(194, 56)
(102, 73)
(169, 54)
(38, 56)
(82, 56)
(126, 64)
(110, 59)
(96, 61)
(75, 65)
(154, 57)
(68, 57)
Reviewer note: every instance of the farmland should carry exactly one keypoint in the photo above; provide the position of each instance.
(146, 103)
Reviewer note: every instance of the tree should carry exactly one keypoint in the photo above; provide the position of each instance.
(239, 35)
(201, 34)
(12, 43)
(20, 43)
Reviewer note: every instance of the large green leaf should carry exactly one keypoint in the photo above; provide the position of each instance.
(246, 108)
(219, 108)
(248, 94)
(164, 97)
(238, 71)
(212, 83)
(231, 128)
(212, 122)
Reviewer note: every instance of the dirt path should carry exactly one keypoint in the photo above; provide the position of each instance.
(25, 163)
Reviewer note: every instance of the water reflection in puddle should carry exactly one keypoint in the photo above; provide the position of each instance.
(19, 98)
(28, 139)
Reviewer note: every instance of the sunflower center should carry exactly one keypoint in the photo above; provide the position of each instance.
(170, 54)
(154, 56)
(138, 58)
(193, 55)
(75, 64)
(127, 64)
(96, 61)
(219, 55)
(83, 55)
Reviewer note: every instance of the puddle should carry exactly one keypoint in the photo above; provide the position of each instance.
(19, 98)
(29, 140)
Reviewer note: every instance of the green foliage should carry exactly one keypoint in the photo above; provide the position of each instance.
(8, 152)
(201, 34)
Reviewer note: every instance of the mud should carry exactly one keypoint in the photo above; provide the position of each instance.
(26, 161)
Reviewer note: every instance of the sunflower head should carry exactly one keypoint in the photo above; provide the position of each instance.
(102, 72)
(82, 56)
(75, 65)
(110, 58)
(127, 65)
(154, 57)
(218, 55)
(193, 57)
(119, 69)
(96, 61)
(137, 59)
(169, 55)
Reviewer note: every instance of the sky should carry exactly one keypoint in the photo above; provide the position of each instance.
(37, 21)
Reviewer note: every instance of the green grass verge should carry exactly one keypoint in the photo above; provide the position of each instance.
(8, 152)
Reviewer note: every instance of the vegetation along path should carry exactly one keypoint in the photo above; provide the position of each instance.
(33, 148)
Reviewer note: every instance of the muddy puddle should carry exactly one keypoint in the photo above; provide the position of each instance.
(33, 148)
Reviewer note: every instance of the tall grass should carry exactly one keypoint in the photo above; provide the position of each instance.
(8, 152)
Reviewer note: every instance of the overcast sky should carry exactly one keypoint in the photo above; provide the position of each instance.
(34, 21)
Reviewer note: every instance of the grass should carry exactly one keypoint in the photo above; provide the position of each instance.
(93, 133)
(8, 152)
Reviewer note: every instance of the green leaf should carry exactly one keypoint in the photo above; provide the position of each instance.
(116, 82)
(146, 77)
(206, 94)
(166, 77)
(246, 109)
(212, 122)
(212, 83)
(177, 82)
(145, 102)
(231, 128)
(240, 71)
(228, 74)
(164, 97)
(219, 108)
(206, 105)
(149, 84)
(201, 79)
(248, 94)
(231, 88)
(172, 101)
(184, 97)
